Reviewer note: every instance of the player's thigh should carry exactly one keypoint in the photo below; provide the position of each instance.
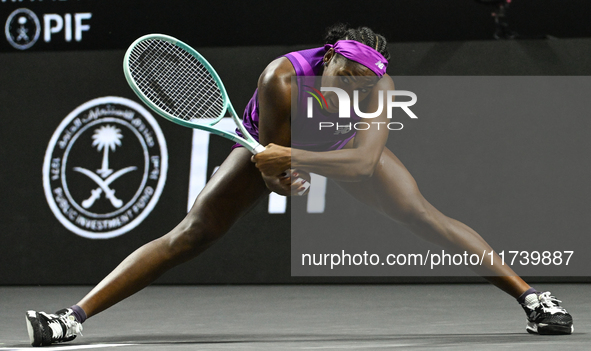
(230, 193)
(391, 190)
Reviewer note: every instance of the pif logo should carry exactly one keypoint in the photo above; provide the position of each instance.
(105, 167)
(23, 27)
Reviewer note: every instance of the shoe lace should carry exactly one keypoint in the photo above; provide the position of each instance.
(56, 329)
(71, 324)
(550, 304)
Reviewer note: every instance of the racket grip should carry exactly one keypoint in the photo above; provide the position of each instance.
(258, 149)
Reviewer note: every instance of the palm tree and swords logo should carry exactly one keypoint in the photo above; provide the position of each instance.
(105, 139)
(105, 167)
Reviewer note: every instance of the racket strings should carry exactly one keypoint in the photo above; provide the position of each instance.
(175, 81)
(199, 79)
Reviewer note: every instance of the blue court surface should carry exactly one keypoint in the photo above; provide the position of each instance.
(303, 317)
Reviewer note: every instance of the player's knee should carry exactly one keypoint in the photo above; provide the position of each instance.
(416, 216)
(192, 236)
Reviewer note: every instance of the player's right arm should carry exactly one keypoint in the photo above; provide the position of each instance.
(274, 98)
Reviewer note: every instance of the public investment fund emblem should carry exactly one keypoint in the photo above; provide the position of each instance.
(22, 29)
(105, 167)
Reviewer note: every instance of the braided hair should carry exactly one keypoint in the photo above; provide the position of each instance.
(363, 35)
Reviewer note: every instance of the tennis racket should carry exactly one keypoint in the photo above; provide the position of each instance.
(179, 84)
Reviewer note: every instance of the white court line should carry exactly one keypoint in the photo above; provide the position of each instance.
(357, 347)
(69, 347)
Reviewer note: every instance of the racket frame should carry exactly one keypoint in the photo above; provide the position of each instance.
(248, 141)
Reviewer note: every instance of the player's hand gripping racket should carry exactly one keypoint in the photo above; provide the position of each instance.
(174, 80)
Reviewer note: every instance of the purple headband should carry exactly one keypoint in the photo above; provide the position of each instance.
(361, 53)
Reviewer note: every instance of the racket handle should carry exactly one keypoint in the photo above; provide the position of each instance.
(260, 148)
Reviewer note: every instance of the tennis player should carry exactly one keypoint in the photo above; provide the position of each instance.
(358, 161)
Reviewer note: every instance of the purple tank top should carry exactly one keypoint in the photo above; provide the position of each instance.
(305, 133)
